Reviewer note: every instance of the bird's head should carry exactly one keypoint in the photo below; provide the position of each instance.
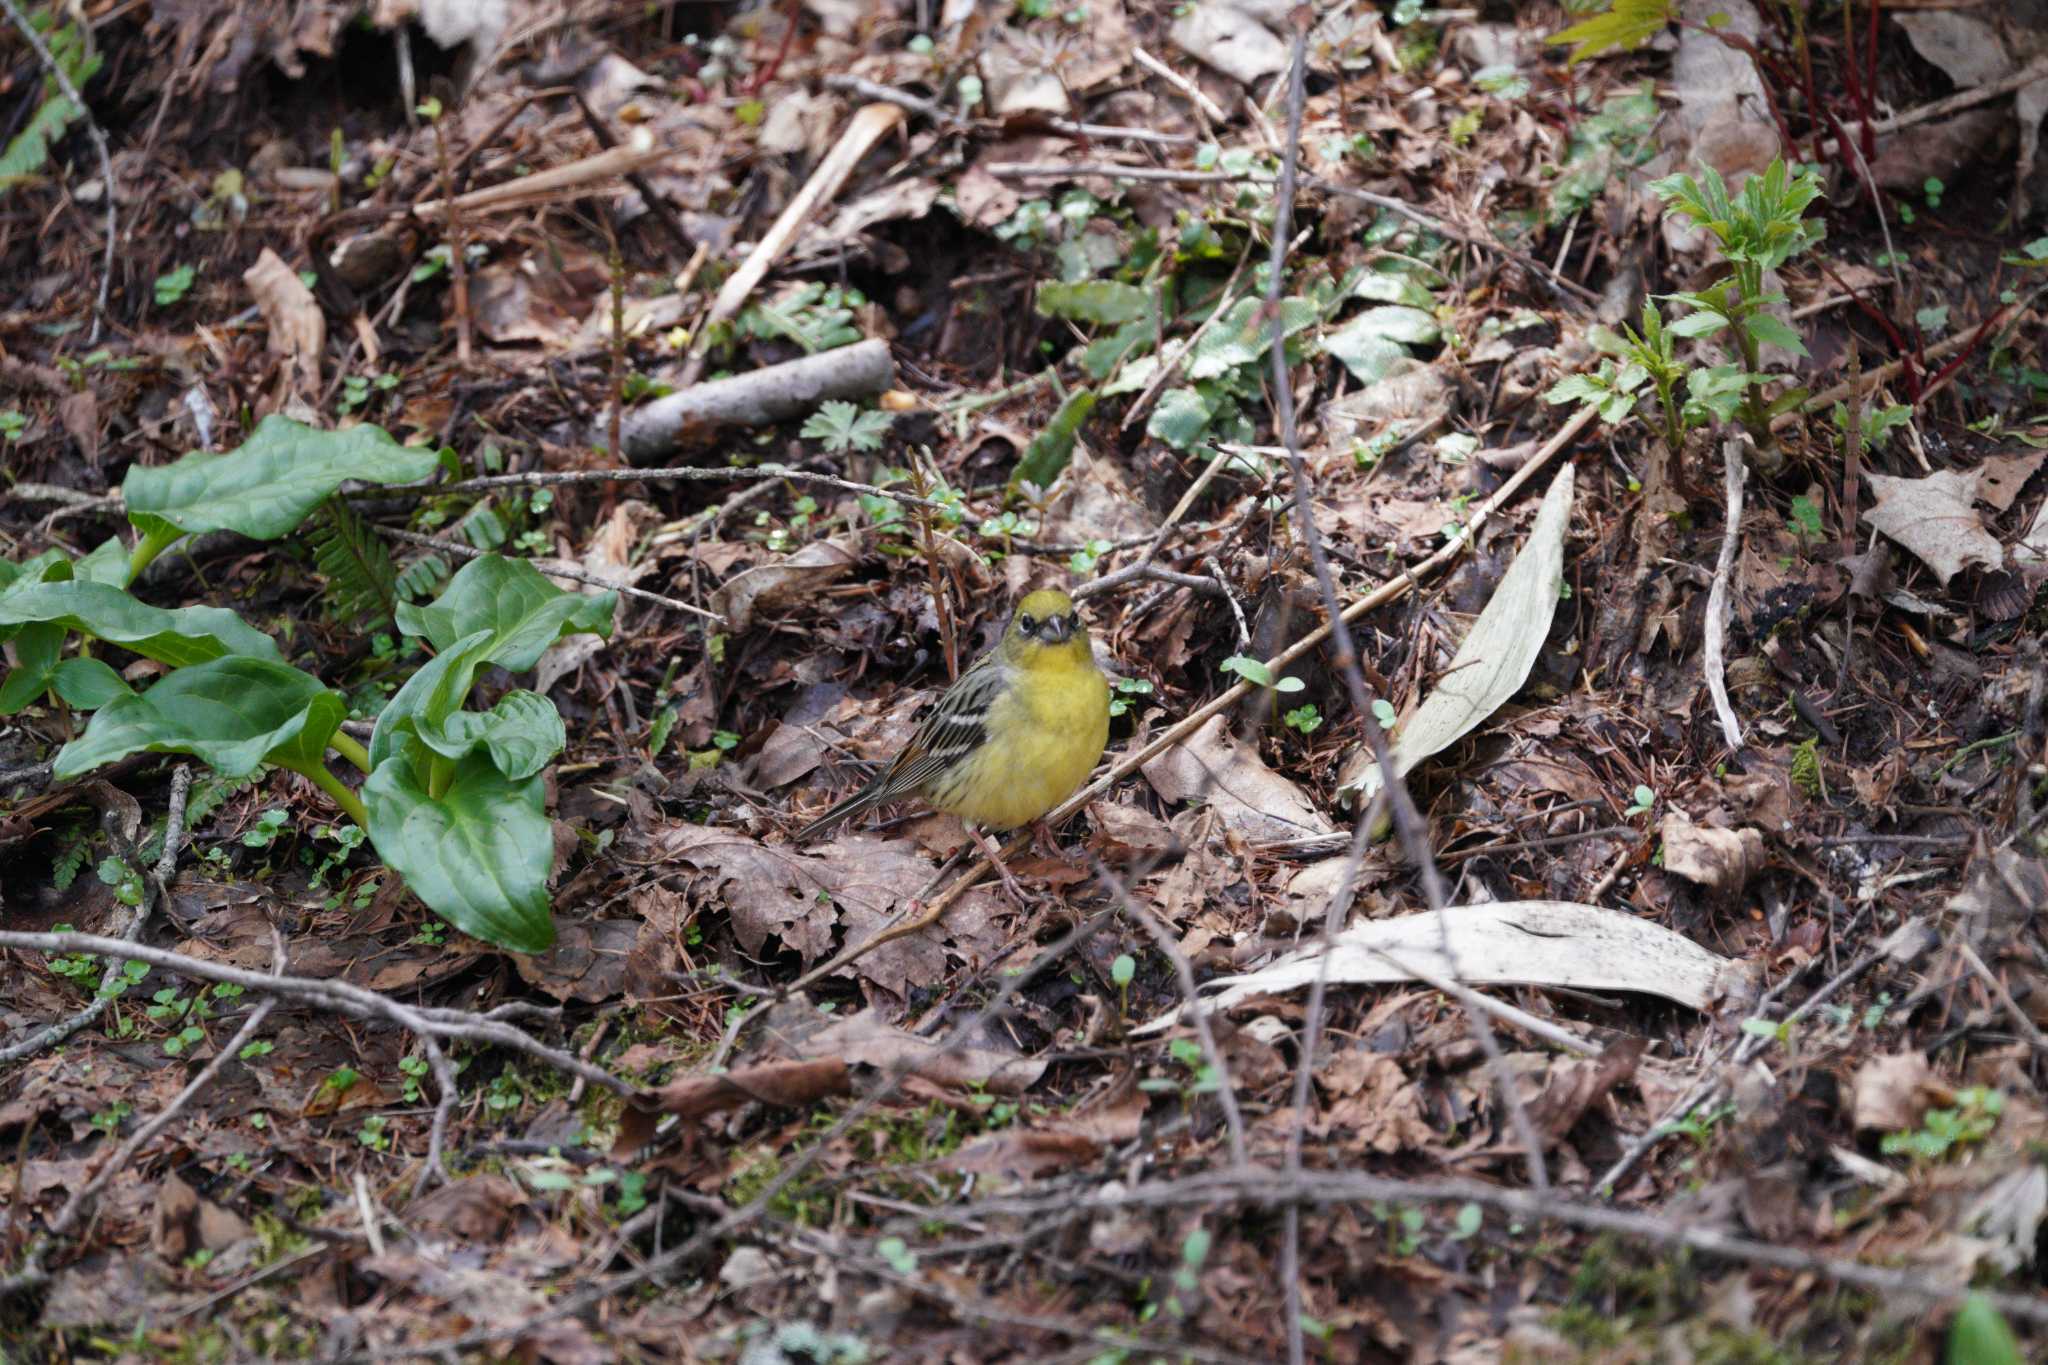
(1046, 627)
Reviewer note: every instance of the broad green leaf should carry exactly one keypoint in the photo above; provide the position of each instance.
(1051, 448)
(1102, 355)
(524, 612)
(1701, 324)
(478, 853)
(1380, 286)
(522, 733)
(266, 487)
(234, 713)
(88, 684)
(1179, 418)
(36, 648)
(1396, 322)
(1979, 1335)
(1103, 302)
(1245, 333)
(430, 696)
(175, 636)
(1369, 355)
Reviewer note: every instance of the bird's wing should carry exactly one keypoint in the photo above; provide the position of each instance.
(956, 728)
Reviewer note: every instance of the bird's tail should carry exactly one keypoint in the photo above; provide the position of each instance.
(870, 795)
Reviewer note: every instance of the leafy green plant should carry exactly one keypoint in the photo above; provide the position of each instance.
(1758, 230)
(843, 427)
(172, 286)
(1970, 1119)
(452, 799)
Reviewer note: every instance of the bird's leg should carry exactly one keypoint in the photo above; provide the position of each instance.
(1045, 842)
(995, 856)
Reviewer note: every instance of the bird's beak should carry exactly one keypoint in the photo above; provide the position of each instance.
(1056, 631)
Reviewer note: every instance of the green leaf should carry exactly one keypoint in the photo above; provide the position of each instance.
(1979, 1335)
(269, 484)
(1253, 671)
(88, 684)
(1245, 333)
(1051, 448)
(1627, 26)
(1101, 302)
(29, 151)
(233, 713)
(177, 636)
(1774, 331)
(522, 734)
(478, 854)
(36, 649)
(1102, 355)
(1369, 356)
(1704, 323)
(522, 609)
(1179, 418)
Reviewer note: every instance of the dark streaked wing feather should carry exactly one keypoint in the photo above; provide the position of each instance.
(952, 731)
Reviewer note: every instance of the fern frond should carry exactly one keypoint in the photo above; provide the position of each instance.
(362, 584)
(423, 578)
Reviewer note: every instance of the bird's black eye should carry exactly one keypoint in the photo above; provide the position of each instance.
(1026, 624)
(1074, 623)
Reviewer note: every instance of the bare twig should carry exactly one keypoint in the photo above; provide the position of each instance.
(342, 996)
(1259, 1187)
(1734, 470)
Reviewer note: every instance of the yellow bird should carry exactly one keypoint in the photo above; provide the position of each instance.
(1015, 736)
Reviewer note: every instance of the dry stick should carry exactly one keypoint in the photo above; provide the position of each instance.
(1166, 528)
(1734, 470)
(1204, 106)
(2026, 1026)
(1264, 1188)
(869, 125)
(99, 144)
(32, 1272)
(891, 1081)
(543, 187)
(1885, 373)
(1391, 591)
(155, 891)
(1962, 99)
(656, 203)
(458, 250)
(456, 547)
(346, 997)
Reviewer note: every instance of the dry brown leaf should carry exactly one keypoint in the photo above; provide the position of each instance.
(1889, 1094)
(2003, 476)
(1719, 859)
(867, 1038)
(1212, 767)
(298, 329)
(1933, 518)
(801, 574)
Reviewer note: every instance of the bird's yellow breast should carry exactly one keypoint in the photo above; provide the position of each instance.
(1045, 733)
